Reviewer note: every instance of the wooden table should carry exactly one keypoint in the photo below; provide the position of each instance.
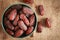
(52, 11)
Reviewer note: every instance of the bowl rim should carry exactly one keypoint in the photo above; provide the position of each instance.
(9, 7)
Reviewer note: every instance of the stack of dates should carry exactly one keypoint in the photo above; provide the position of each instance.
(19, 20)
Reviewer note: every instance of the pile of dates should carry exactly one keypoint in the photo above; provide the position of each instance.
(19, 20)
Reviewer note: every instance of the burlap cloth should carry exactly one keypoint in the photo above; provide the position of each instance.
(52, 11)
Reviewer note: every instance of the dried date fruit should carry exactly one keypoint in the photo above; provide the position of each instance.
(40, 10)
(27, 11)
(29, 30)
(16, 28)
(7, 12)
(29, 1)
(24, 18)
(12, 14)
(9, 31)
(18, 7)
(8, 24)
(22, 25)
(32, 20)
(18, 33)
(16, 20)
(47, 21)
(39, 27)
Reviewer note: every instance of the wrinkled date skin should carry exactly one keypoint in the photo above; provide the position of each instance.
(12, 15)
(22, 25)
(28, 1)
(27, 11)
(40, 10)
(47, 21)
(24, 18)
(29, 30)
(39, 27)
(18, 33)
(32, 20)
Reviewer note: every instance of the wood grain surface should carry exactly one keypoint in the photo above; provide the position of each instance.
(52, 11)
